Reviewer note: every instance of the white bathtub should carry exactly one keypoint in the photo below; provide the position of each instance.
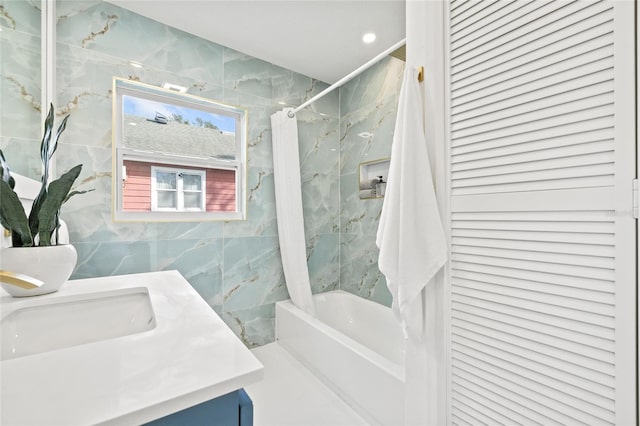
(355, 346)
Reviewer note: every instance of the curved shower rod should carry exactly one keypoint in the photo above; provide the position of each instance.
(348, 77)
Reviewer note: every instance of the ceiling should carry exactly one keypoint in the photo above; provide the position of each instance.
(318, 38)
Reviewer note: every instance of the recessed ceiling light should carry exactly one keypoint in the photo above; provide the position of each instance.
(135, 64)
(369, 37)
(365, 135)
(282, 103)
(133, 124)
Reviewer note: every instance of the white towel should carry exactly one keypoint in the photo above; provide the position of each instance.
(410, 235)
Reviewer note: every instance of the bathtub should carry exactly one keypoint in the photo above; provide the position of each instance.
(355, 347)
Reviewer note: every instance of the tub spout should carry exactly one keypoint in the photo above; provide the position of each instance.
(19, 280)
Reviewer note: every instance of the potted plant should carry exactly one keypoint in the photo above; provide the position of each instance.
(35, 251)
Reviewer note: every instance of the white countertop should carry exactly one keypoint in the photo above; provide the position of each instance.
(191, 356)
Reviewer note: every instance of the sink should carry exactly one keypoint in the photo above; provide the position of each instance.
(116, 350)
(62, 322)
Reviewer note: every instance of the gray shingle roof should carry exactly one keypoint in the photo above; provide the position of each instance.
(178, 138)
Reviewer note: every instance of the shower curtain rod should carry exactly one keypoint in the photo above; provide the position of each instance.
(348, 77)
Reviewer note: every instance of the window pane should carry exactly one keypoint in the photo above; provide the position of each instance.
(191, 182)
(205, 132)
(167, 199)
(165, 180)
(192, 200)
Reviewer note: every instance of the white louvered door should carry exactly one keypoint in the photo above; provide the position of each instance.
(542, 157)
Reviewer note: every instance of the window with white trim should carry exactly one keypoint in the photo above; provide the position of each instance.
(177, 189)
(178, 157)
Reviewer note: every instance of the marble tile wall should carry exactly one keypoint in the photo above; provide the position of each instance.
(20, 69)
(368, 104)
(235, 266)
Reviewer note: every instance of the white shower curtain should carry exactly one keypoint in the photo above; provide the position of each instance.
(288, 191)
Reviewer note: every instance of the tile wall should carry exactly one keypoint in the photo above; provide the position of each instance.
(368, 106)
(235, 266)
(20, 69)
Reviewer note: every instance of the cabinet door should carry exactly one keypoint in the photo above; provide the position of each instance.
(542, 157)
(234, 408)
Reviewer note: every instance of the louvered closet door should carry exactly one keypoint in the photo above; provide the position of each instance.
(542, 159)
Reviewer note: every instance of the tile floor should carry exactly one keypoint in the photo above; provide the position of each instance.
(290, 395)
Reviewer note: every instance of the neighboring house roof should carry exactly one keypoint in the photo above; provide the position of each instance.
(178, 138)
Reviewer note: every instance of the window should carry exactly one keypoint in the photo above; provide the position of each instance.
(177, 189)
(177, 157)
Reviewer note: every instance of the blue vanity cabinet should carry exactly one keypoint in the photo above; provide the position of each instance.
(235, 408)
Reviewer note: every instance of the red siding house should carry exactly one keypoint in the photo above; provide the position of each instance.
(220, 187)
(150, 185)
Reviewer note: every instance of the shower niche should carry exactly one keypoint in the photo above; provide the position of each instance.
(373, 178)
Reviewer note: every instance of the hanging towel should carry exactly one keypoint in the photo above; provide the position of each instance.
(410, 235)
(288, 192)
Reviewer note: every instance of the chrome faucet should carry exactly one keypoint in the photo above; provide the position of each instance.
(19, 280)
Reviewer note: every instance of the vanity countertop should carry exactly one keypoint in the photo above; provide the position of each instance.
(189, 357)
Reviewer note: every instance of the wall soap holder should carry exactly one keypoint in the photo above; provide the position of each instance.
(372, 178)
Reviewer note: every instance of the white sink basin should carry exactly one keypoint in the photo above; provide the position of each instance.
(186, 356)
(75, 320)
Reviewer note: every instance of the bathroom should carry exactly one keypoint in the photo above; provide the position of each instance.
(235, 266)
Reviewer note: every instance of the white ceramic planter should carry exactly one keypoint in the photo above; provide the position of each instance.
(52, 265)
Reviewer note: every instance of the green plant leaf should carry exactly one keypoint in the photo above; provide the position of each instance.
(48, 215)
(5, 173)
(61, 128)
(72, 193)
(44, 145)
(13, 217)
(34, 219)
(48, 147)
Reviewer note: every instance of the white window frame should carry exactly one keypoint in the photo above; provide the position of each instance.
(179, 189)
(121, 153)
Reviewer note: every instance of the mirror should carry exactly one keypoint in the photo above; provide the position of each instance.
(177, 157)
(21, 100)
